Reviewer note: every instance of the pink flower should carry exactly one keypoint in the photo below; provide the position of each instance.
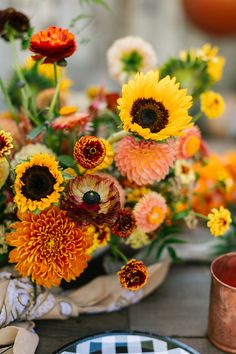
(150, 212)
(75, 120)
(144, 162)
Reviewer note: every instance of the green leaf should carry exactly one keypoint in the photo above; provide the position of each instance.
(36, 131)
(79, 18)
(181, 215)
(173, 255)
(66, 160)
(173, 240)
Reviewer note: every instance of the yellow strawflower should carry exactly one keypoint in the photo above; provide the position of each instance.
(219, 221)
(212, 104)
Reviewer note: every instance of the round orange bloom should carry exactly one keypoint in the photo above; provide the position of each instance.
(49, 247)
(144, 162)
(89, 151)
(214, 186)
(53, 44)
(125, 223)
(133, 275)
(189, 144)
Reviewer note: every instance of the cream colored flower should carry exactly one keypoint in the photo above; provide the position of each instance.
(184, 171)
(137, 239)
(130, 55)
(3, 244)
(28, 151)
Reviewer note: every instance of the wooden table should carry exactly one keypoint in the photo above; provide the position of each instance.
(179, 308)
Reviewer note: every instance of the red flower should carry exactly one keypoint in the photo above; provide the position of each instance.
(125, 223)
(89, 151)
(53, 44)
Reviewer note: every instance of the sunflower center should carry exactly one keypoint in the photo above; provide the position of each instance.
(149, 113)
(91, 197)
(38, 183)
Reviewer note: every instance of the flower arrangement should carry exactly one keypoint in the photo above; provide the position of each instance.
(129, 172)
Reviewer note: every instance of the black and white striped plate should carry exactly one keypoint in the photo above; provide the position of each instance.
(117, 342)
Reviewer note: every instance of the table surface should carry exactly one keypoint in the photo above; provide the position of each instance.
(179, 308)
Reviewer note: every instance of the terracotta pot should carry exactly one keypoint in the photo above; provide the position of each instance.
(213, 16)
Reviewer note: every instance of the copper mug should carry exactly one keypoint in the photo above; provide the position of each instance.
(222, 310)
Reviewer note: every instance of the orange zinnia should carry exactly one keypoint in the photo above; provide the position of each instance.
(49, 247)
(133, 275)
(53, 44)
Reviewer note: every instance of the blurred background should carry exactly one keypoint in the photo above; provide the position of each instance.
(169, 26)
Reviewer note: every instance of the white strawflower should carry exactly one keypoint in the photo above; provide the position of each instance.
(130, 55)
(28, 151)
(184, 171)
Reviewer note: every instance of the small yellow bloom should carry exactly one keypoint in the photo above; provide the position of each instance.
(100, 236)
(67, 110)
(137, 193)
(4, 171)
(219, 221)
(137, 239)
(92, 92)
(212, 104)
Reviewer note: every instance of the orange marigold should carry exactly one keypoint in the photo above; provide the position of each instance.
(48, 247)
(133, 275)
(53, 44)
(89, 151)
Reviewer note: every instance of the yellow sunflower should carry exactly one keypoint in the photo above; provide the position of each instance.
(38, 183)
(154, 109)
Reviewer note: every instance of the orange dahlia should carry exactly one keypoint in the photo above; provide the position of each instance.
(133, 275)
(48, 247)
(53, 44)
(89, 151)
(144, 162)
(125, 223)
(189, 143)
(150, 212)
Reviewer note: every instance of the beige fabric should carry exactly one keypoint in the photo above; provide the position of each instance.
(18, 302)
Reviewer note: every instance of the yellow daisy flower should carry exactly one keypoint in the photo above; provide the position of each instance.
(215, 63)
(219, 221)
(212, 104)
(137, 239)
(38, 183)
(154, 109)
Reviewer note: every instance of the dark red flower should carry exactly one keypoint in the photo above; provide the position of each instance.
(89, 151)
(111, 99)
(125, 223)
(16, 20)
(53, 44)
(92, 199)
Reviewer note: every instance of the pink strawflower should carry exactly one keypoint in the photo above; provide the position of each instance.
(189, 144)
(144, 162)
(81, 121)
(150, 211)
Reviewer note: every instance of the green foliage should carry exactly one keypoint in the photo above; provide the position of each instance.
(191, 74)
(66, 160)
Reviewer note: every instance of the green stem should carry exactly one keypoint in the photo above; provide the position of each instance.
(54, 101)
(25, 91)
(197, 117)
(56, 83)
(117, 136)
(8, 101)
(204, 217)
(117, 252)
